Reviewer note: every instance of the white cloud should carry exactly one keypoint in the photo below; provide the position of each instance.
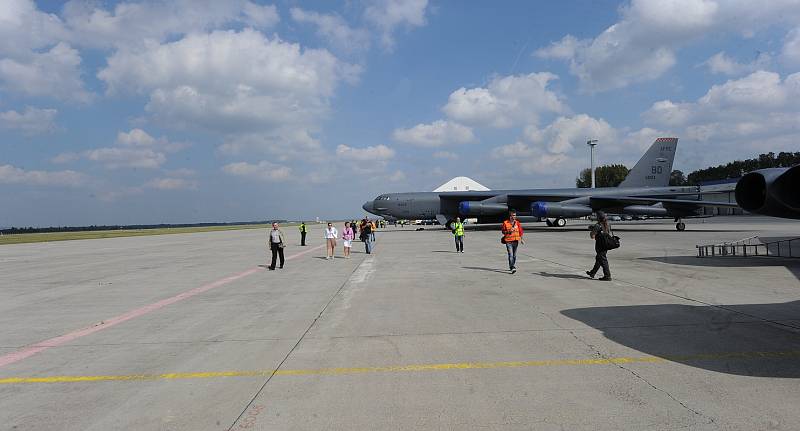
(13, 175)
(24, 28)
(436, 134)
(282, 144)
(563, 134)
(388, 15)
(447, 155)
(230, 81)
(790, 53)
(642, 45)
(722, 63)
(758, 112)
(115, 158)
(134, 149)
(334, 29)
(530, 159)
(263, 171)
(506, 101)
(366, 154)
(54, 73)
(130, 24)
(32, 121)
(171, 184)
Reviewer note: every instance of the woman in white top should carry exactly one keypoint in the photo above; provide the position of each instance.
(330, 238)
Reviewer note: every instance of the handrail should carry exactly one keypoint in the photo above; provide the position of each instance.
(747, 247)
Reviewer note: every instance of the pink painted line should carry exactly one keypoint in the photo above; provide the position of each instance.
(31, 350)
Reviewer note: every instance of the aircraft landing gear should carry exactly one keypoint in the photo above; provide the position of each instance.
(561, 222)
(679, 225)
(549, 223)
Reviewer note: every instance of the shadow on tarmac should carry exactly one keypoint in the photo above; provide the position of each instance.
(566, 276)
(479, 268)
(791, 264)
(725, 340)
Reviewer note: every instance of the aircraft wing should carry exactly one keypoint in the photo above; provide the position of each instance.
(616, 201)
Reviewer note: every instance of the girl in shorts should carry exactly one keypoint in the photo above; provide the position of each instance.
(348, 235)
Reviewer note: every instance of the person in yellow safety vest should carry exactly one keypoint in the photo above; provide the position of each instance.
(373, 226)
(303, 232)
(458, 232)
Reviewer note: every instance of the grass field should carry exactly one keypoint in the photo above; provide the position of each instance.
(69, 236)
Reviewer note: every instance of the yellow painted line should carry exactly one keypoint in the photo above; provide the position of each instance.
(409, 368)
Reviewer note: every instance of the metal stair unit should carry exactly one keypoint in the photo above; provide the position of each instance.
(752, 246)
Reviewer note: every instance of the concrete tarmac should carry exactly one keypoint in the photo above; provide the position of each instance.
(187, 332)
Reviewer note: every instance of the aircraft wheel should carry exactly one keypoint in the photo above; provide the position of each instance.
(561, 222)
(549, 223)
(680, 226)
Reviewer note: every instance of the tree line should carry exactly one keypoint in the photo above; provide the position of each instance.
(612, 175)
(18, 230)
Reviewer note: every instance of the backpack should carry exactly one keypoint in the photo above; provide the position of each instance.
(608, 241)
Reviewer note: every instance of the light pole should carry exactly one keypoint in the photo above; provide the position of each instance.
(591, 143)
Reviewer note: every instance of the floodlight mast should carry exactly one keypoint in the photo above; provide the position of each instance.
(591, 143)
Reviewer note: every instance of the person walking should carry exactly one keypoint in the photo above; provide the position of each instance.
(366, 236)
(596, 232)
(347, 239)
(458, 232)
(303, 232)
(512, 238)
(330, 238)
(373, 228)
(276, 245)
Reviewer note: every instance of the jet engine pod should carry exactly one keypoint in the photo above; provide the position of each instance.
(557, 209)
(479, 208)
(772, 192)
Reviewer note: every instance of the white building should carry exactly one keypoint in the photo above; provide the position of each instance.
(461, 184)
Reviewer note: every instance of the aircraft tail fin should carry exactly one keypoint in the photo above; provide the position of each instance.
(655, 167)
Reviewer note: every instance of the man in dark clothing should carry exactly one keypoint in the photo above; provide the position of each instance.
(601, 257)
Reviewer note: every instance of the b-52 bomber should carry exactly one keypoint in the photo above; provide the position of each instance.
(644, 192)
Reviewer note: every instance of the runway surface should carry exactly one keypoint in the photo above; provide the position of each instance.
(188, 332)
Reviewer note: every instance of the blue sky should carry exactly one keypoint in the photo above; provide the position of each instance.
(192, 111)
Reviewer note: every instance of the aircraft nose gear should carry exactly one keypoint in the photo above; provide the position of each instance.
(680, 226)
(561, 222)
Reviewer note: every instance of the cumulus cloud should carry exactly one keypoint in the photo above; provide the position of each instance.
(565, 132)
(53, 73)
(506, 101)
(230, 81)
(758, 112)
(366, 154)
(13, 175)
(388, 15)
(130, 23)
(790, 53)
(721, 63)
(282, 144)
(642, 45)
(134, 149)
(333, 28)
(171, 184)
(263, 171)
(31, 121)
(436, 134)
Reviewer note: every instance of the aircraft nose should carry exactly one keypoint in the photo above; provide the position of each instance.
(368, 207)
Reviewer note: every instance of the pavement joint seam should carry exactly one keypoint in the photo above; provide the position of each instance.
(313, 322)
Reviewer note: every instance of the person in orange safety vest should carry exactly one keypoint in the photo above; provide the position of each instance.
(512, 237)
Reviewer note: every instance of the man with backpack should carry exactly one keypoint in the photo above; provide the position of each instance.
(603, 241)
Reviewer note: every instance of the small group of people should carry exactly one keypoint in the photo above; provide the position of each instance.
(367, 236)
(513, 236)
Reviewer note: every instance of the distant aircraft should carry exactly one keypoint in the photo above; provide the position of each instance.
(645, 191)
(773, 192)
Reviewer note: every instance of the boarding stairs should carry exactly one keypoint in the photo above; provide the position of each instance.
(752, 246)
